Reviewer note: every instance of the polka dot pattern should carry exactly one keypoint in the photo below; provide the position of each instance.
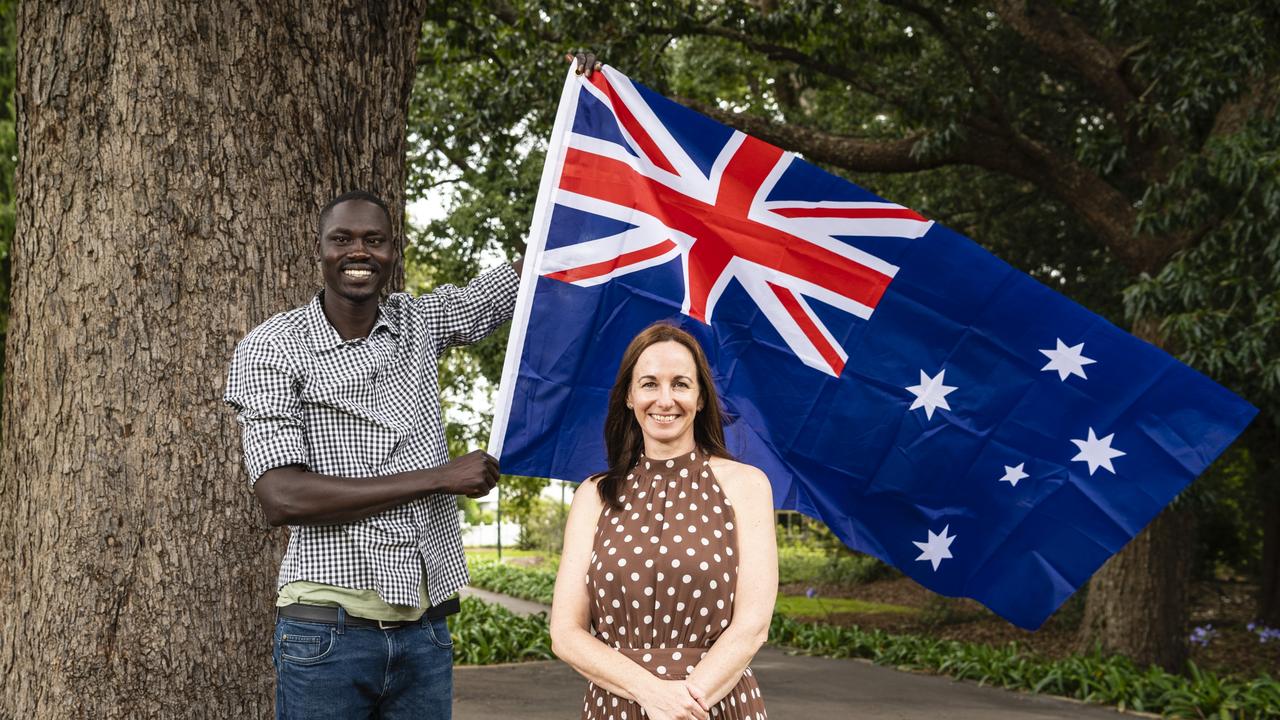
(667, 607)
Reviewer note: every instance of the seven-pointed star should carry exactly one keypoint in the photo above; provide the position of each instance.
(1067, 360)
(930, 394)
(936, 548)
(1013, 474)
(1097, 452)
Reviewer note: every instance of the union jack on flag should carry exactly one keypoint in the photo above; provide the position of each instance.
(888, 374)
(720, 223)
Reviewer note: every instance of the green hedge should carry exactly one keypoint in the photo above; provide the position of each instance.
(1092, 678)
(799, 564)
(527, 583)
(488, 634)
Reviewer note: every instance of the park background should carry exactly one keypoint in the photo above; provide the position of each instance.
(162, 165)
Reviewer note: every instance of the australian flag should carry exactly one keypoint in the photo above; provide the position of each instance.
(932, 405)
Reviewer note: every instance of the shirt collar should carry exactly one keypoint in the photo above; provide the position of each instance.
(324, 336)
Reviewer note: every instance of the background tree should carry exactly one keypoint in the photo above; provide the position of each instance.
(172, 158)
(1099, 146)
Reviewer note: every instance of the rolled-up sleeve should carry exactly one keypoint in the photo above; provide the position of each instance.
(262, 387)
(461, 316)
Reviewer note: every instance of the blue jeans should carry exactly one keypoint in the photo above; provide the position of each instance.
(327, 670)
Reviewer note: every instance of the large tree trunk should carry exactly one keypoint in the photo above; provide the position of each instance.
(1138, 602)
(172, 160)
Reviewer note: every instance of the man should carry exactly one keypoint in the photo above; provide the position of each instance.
(343, 441)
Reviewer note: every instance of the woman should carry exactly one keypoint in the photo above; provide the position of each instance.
(670, 571)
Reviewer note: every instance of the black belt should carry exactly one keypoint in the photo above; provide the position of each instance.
(325, 614)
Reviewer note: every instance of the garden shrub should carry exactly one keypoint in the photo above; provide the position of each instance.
(1113, 680)
(800, 564)
(487, 634)
(527, 583)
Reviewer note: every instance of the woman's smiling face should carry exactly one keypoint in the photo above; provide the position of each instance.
(665, 397)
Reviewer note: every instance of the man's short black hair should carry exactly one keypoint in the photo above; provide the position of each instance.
(362, 195)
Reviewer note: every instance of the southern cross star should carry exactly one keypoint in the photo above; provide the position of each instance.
(937, 548)
(930, 394)
(1097, 452)
(1013, 474)
(1067, 360)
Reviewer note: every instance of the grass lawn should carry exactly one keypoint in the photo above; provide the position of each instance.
(802, 606)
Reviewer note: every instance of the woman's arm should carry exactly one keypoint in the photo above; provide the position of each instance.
(748, 489)
(571, 638)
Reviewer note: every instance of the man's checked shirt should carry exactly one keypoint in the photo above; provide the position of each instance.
(363, 408)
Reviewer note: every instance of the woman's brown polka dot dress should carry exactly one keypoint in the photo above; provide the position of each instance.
(662, 578)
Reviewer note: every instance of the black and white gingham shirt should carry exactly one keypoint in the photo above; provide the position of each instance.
(363, 408)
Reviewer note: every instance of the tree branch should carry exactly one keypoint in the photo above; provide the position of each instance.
(1259, 98)
(1061, 37)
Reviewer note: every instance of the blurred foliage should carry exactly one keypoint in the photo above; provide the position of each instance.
(1229, 536)
(472, 514)
(840, 568)
(1220, 299)
(543, 527)
(522, 503)
(809, 553)
(940, 611)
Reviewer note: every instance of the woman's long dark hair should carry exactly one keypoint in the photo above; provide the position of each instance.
(623, 440)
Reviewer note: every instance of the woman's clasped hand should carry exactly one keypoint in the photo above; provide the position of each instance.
(674, 700)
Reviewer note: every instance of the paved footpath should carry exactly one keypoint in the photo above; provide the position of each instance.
(794, 686)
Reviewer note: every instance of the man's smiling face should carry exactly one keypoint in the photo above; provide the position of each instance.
(356, 250)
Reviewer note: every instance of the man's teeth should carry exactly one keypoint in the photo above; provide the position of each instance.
(358, 273)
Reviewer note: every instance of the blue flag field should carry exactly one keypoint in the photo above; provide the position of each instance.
(932, 405)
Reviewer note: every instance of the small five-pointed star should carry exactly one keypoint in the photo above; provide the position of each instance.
(1067, 360)
(1013, 474)
(936, 548)
(930, 394)
(1097, 452)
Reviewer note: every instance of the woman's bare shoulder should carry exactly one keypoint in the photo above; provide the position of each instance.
(739, 477)
(587, 494)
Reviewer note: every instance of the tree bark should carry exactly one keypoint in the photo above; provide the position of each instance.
(1138, 603)
(172, 161)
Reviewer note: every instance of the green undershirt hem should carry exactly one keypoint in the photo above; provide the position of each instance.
(361, 603)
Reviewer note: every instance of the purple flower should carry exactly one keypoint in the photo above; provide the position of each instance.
(1264, 633)
(811, 593)
(1202, 635)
